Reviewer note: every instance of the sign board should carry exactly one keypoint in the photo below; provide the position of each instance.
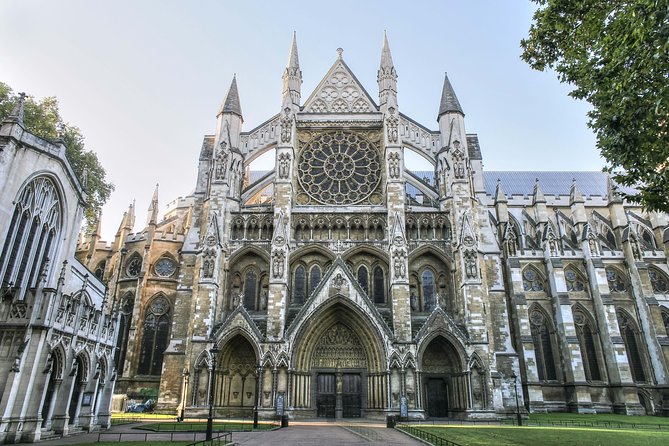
(404, 407)
(279, 405)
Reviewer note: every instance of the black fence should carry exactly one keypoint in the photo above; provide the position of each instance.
(196, 437)
(217, 441)
(590, 423)
(425, 435)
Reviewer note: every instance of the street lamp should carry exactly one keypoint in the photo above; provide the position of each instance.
(515, 388)
(255, 407)
(212, 374)
(186, 374)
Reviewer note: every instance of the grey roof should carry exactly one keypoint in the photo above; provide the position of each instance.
(231, 103)
(552, 183)
(449, 101)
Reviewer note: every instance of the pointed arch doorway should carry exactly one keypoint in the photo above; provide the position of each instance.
(338, 370)
(445, 385)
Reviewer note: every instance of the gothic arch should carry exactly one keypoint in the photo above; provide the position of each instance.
(426, 249)
(533, 279)
(250, 249)
(366, 249)
(448, 337)
(339, 312)
(658, 280)
(634, 346)
(543, 337)
(589, 341)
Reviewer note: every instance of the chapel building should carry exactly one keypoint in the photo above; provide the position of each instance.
(341, 284)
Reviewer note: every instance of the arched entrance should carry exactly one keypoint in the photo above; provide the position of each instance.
(236, 376)
(338, 366)
(445, 386)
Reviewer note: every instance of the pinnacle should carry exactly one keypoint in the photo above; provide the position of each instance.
(231, 102)
(386, 57)
(449, 101)
(293, 59)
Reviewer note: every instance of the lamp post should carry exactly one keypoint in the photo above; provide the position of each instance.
(185, 393)
(255, 407)
(210, 419)
(515, 388)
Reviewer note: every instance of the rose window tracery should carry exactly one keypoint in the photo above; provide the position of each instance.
(339, 168)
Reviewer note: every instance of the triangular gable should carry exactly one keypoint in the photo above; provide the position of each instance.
(238, 319)
(338, 283)
(339, 92)
(440, 319)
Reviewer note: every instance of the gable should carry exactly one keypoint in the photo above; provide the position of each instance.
(339, 92)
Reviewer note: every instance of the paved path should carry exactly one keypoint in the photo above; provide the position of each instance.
(298, 434)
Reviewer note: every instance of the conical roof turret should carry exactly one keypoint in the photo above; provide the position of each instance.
(231, 103)
(449, 101)
(292, 78)
(387, 76)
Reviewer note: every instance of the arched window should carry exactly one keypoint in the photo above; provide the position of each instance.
(574, 280)
(100, 270)
(428, 290)
(125, 322)
(155, 337)
(33, 232)
(363, 279)
(543, 346)
(299, 285)
(647, 238)
(314, 278)
(629, 333)
(532, 280)
(133, 266)
(658, 280)
(665, 321)
(587, 342)
(610, 238)
(250, 289)
(615, 279)
(379, 286)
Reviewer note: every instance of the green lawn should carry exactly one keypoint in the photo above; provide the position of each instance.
(201, 427)
(142, 443)
(547, 436)
(600, 419)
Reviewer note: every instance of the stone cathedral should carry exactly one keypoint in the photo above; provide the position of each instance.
(342, 284)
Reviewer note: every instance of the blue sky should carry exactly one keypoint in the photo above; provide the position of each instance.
(144, 79)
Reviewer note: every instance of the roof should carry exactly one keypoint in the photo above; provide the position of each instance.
(552, 183)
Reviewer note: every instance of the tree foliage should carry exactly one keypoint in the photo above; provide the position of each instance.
(43, 119)
(616, 55)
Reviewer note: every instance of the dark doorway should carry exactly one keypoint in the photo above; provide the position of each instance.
(351, 395)
(327, 396)
(437, 398)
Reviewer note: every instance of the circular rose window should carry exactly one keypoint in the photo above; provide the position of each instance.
(339, 168)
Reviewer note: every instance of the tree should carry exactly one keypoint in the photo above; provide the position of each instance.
(616, 55)
(43, 119)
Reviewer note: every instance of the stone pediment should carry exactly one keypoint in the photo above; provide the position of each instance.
(338, 284)
(440, 320)
(238, 319)
(339, 92)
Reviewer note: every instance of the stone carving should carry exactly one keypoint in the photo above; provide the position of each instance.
(221, 162)
(636, 249)
(208, 264)
(593, 245)
(339, 347)
(458, 161)
(399, 264)
(284, 165)
(391, 125)
(340, 93)
(338, 282)
(471, 267)
(278, 262)
(286, 126)
(394, 165)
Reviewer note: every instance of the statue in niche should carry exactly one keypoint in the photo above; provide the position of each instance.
(284, 165)
(391, 125)
(458, 161)
(277, 264)
(471, 270)
(394, 165)
(594, 249)
(413, 301)
(636, 249)
(286, 126)
(399, 267)
(263, 300)
(510, 244)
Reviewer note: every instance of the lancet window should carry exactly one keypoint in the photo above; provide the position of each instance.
(532, 280)
(658, 280)
(33, 234)
(575, 281)
(543, 345)
(588, 343)
(630, 335)
(615, 279)
(155, 336)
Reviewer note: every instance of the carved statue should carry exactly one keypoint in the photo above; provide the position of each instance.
(391, 125)
(284, 165)
(413, 301)
(286, 126)
(277, 264)
(471, 270)
(394, 165)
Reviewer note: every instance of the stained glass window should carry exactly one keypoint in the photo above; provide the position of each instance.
(379, 286)
(532, 281)
(574, 280)
(155, 337)
(659, 281)
(616, 283)
(543, 346)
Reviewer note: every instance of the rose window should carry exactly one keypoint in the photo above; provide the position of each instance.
(339, 168)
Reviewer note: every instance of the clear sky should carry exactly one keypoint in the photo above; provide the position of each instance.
(144, 79)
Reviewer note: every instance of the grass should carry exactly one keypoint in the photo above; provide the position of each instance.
(600, 419)
(143, 443)
(201, 427)
(547, 436)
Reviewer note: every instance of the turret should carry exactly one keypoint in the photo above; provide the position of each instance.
(501, 207)
(451, 121)
(387, 78)
(125, 228)
(152, 217)
(576, 202)
(230, 119)
(539, 203)
(292, 79)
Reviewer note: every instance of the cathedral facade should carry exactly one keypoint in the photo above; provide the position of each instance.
(341, 284)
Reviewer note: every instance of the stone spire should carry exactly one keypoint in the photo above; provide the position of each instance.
(449, 101)
(18, 110)
(292, 77)
(500, 196)
(387, 76)
(153, 208)
(575, 195)
(231, 102)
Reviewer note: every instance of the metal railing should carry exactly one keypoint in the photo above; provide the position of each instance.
(590, 424)
(158, 436)
(218, 441)
(425, 435)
